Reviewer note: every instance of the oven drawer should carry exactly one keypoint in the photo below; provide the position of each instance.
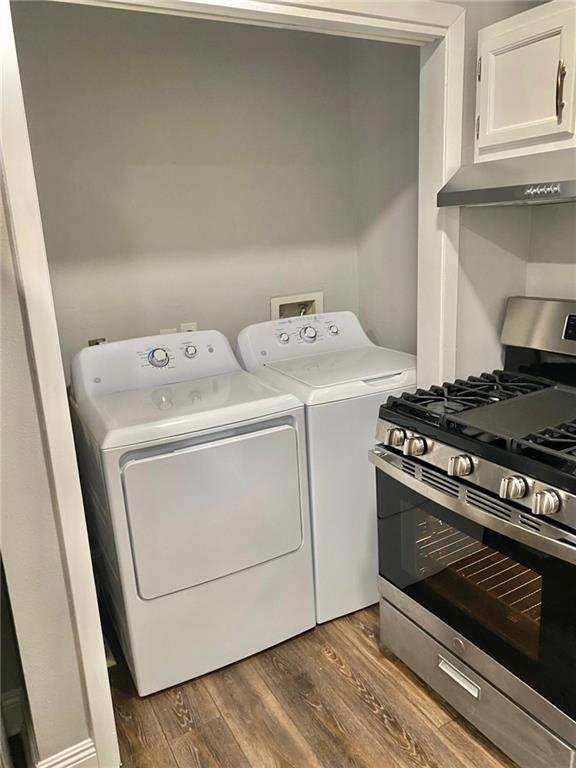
(518, 734)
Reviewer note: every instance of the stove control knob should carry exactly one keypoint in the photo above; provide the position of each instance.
(394, 437)
(546, 502)
(415, 446)
(190, 350)
(513, 487)
(308, 333)
(460, 466)
(158, 357)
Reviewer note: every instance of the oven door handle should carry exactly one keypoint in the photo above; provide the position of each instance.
(563, 548)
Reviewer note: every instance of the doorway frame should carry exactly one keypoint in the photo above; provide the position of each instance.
(438, 28)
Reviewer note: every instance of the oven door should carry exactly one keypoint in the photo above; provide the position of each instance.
(488, 580)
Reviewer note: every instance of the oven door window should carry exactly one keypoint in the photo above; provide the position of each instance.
(513, 602)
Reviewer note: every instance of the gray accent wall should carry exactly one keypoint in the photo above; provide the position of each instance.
(189, 170)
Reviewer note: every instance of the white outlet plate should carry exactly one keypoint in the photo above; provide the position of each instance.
(189, 326)
(314, 297)
(168, 330)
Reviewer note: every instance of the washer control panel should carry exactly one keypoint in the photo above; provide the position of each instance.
(310, 329)
(151, 361)
(296, 336)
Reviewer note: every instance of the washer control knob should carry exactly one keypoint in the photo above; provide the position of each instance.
(308, 333)
(513, 487)
(415, 446)
(283, 338)
(190, 350)
(394, 437)
(334, 330)
(460, 466)
(158, 357)
(546, 502)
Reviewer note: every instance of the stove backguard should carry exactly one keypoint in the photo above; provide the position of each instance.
(539, 338)
(548, 365)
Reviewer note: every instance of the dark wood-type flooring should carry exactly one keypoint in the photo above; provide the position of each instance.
(326, 699)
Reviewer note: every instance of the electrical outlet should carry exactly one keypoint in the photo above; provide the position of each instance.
(95, 342)
(193, 326)
(168, 330)
(298, 304)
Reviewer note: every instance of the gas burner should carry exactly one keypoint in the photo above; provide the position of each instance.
(437, 404)
(445, 406)
(558, 443)
(561, 439)
(500, 385)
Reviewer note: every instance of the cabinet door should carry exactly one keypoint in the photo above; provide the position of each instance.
(527, 80)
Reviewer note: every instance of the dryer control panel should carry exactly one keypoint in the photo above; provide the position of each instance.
(297, 336)
(150, 361)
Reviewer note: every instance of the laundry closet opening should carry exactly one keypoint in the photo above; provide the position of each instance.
(190, 170)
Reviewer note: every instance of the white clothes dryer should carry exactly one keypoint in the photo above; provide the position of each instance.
(331, 365)
(195, 483)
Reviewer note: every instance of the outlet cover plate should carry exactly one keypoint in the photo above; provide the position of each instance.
(314, 300)
(192, 326)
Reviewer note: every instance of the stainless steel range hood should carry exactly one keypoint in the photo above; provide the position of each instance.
(546, 177)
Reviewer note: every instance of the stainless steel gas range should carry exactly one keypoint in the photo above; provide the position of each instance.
(476, 485)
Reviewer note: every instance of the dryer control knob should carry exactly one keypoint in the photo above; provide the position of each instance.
(283, 338)
(308, 333)
(190, 350)
(158, 357)
(334, 330)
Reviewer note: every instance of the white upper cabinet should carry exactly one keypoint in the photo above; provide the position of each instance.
(526, 88)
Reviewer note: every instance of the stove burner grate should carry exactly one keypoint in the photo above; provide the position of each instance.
(442, 408)
(437, 404)
(558, 441)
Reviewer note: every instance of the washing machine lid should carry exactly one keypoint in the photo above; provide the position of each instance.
(335, 369)
(136, 416)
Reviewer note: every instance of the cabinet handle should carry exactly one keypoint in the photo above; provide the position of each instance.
(560, 76)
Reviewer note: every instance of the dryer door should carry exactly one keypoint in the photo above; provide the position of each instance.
(212, 509)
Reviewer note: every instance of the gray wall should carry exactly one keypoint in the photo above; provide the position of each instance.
(30, 547)
(190, 170)
(385, 97)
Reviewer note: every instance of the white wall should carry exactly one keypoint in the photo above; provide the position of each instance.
(30, 546)
(551, 269)
(190, 170)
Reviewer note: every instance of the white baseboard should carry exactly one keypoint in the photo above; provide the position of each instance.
(13, 711)
(81, 754)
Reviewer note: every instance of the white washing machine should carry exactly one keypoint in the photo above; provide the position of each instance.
(330, 364)
(195, 479)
